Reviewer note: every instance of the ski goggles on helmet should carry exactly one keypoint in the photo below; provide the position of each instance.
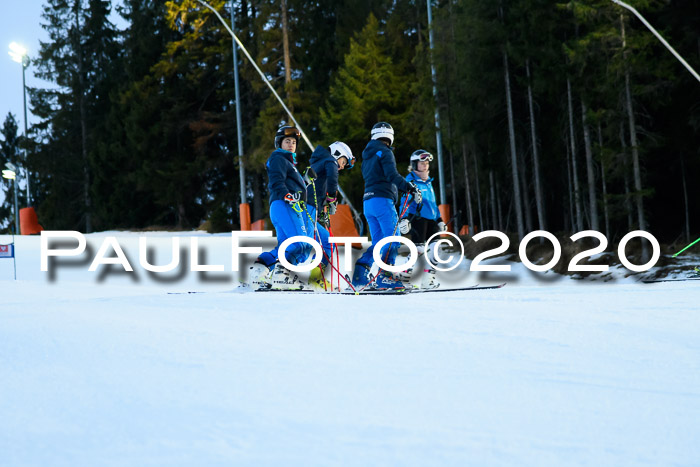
(290, 131)
(426, 156)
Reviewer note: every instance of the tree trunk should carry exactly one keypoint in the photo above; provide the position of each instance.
(455, 213)
(572, 141)
(526, 197)
(257, 197)
(510, 209)
(593, 204)
(513, 153)
(287, 58)
(83, 119)
(606, 215)
(685, 199)
(467, 190)
(635, 148)
(501, 224)
(478, 194)
(571, 188)
(539, 199)
(625, 172)
(494, 219)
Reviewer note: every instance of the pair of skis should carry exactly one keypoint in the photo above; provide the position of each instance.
(403, 291)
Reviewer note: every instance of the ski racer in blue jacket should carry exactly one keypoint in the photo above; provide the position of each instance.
(287, 195)
(322, 193)
(382, 183)
(422, 219)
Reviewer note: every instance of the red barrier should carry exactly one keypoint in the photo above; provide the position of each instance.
(29, 222)
(245, 216)
(446, 214)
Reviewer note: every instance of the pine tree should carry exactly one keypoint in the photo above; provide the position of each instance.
(365, 90)
(79, 58)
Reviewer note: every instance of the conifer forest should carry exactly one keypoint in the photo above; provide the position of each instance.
(554, 115)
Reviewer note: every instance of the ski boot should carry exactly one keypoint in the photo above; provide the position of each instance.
(403, 276)
(360, 277)
(429, 279)
(317, 279)
(258, 276)
(385, 281)
(284, 279)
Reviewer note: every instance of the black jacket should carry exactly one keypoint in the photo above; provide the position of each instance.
(283, 177)
(326, 168)
(382, 180)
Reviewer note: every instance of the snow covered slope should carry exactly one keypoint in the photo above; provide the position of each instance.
(113, 371)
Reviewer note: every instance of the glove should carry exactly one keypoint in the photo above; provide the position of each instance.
(310, 176)
(332, 203)
(404, 226)
(415, 191)
(442, 227)
(292, 198)
(324, 219)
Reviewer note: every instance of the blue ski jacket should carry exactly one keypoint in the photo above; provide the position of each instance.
(382, 180)
(428, 207)
(326, 168)
(283, 177)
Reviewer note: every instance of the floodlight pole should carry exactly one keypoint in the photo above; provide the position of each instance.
(25, 64)
(438, 132)
(244, 208)
(17, 232)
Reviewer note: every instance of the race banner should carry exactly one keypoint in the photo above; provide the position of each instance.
(7, 251)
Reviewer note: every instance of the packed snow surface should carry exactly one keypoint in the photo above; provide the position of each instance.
(106, 369)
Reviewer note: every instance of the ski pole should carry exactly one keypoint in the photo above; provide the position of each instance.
(330, 260)
(696, 241)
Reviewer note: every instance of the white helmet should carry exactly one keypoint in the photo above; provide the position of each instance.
(420, 155)
(383, 130)
(340, 149)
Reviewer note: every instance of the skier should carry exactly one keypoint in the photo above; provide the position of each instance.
(382, 182)
(422, 219)
(321, 192)
(287, 195)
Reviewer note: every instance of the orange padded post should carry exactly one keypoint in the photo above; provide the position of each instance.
(245, 216)
(342, 222)
(446, 214)
(29, 222)
(258, 225)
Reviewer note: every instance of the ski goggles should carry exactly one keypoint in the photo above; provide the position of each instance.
(426, 156)
(291, 131)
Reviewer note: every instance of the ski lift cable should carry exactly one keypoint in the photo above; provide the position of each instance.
(663, 41)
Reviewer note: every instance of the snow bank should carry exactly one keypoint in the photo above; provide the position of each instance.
(114, 371)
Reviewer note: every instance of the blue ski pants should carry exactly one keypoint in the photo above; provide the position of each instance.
(288, 223)
(382, 219)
